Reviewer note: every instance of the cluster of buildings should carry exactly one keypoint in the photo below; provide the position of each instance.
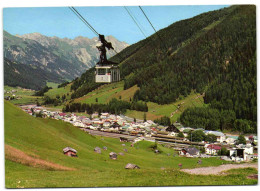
(104, 122)
(237, 153)
(10, 95)
(125, 125)
(228, 143)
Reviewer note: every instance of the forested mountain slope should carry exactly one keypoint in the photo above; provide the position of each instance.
(151, 51)
(214, 52)
(26, 76)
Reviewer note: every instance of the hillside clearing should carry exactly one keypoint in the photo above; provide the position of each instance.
(59, 91)
(105, 93)
(172, 110)
(52, 84)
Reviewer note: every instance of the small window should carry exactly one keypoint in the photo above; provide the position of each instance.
(101, 71)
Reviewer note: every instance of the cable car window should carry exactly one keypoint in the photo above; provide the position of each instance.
(101, 71)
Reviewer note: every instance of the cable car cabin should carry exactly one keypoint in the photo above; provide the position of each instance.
(106, 71)
(107, 74)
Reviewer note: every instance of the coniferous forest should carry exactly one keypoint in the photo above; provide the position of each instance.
(26, 76)
(114, 106)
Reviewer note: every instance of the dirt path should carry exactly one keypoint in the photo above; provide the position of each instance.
(218, 169)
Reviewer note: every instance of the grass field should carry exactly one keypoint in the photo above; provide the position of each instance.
(116, 90)
(26, 95)
(52, 84)
(170, 110)
(108, 91)
(34, 158)
(59, 91)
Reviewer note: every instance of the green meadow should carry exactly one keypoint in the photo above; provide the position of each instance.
(26, 95)
(34, 158)
(59, 91)
(106, 92)
(52, 84)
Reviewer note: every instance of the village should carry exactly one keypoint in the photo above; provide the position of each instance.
(125, 128)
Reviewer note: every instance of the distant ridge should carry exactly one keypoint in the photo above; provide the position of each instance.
(63, 57)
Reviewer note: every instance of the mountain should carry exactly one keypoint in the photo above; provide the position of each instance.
(212, 53)
(26, 76)
(143, 58)
(67, 58)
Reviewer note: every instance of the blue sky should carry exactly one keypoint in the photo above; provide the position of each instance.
(61, 21)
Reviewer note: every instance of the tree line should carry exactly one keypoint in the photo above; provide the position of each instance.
(214, 119)
(114, 106)
(63, 84)
(165, 121)
(42, 91)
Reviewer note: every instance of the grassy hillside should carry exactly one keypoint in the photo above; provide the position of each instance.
(172, 110)
(212, 53)
(34, 158)
(26, 95)
(59, 91)
(52, 84)
(105, 93)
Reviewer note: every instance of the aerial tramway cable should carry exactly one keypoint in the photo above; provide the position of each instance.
(88, 25)
(128, 11)
(83, 20)
(163, 43)
(106, 71)
(153, 28)
(137, 21)
(143, 32)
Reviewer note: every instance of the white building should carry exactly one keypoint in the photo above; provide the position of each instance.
(220, 136)
(231, 140)
(104, 115)
(242, 152)
(212, 149)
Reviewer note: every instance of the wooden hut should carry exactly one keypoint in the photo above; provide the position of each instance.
(70, 152)
(113, 155)
(97, 150)
(131, 166)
